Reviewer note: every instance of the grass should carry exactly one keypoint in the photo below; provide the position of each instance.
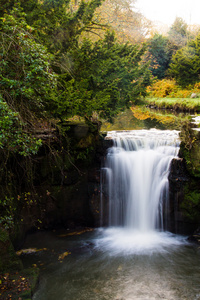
(181, 104)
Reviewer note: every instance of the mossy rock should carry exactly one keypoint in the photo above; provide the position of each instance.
(87, 141)
(8, 258)
(190, 151)
(191, 203)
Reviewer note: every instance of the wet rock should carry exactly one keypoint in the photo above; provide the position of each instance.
(194, 95)
(195, 237)
(179, 182)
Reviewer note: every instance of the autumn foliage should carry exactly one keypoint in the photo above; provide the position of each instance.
(169, 88)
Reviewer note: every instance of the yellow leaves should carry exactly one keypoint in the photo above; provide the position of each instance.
(139, 113)
(63, 255)
(142, 114)
(168, 88)
(29, 251)
(162, 88)
(13, 285)
(120, 17)
(76, 232)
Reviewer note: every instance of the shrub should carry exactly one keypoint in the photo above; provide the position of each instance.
(162, 88)
(168, 88)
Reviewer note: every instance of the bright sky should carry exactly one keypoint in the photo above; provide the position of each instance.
(166, 11)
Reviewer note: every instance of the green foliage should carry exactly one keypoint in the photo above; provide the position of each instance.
(178, 33)
(179, 104)
(107, 77)
(7, 212)
(159, 54)
(185, 66)
(12, 134)
(58, 23)
(191, 204)
(190, 150)
(28, 85)
(27, 81)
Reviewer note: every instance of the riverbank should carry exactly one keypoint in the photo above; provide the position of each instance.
(175, 104)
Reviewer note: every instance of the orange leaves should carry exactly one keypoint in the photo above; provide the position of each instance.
(162, 88)
(29, 251)
(12, 285)
(141, 113)
(63, 255)
(76, 232)
(169, 88)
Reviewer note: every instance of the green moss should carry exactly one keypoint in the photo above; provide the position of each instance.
(32, 274)
(191, 204)
(86, 142)
(190, 149)
(3, 236)
(8, 258)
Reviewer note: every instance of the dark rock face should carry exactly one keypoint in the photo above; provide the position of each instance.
(66, 193)
(178, 178)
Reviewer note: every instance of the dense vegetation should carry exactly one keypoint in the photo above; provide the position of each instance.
(59, 59)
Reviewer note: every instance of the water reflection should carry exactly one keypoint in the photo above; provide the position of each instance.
(139, 117)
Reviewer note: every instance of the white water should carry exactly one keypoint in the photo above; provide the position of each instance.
(136, 174)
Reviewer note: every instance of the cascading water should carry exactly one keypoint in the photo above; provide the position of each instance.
(136, 170)
(135, 179)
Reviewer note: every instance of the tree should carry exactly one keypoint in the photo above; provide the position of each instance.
(159, 54)
(178, 33)
(28, 84)
(106, 77)
(120, 16)
(13, 136)
(185, 66)
(58, 23)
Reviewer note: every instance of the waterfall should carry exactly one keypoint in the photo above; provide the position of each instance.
(136, 175)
